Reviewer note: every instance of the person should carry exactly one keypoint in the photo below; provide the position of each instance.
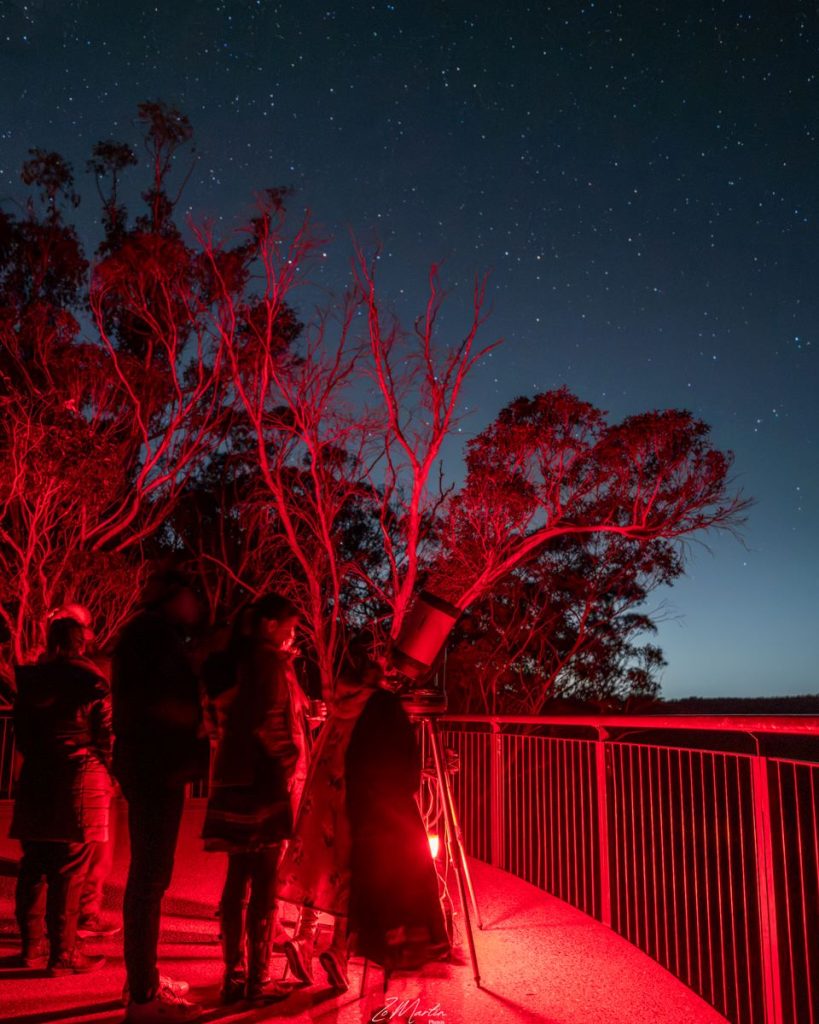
(395, 914)
(249, 810)
(62, 721)
(159, 746)
(321, 868)
(91, 924)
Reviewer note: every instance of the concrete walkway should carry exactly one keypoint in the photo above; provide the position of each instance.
(540, 960)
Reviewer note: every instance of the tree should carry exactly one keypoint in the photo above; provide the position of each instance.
(567, 624)
(550, 466)
(101, 429)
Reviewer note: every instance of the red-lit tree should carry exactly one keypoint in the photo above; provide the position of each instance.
(101, 429)
(569, 623)
(548, 476)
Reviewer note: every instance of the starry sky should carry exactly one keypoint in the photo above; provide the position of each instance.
(640, 178)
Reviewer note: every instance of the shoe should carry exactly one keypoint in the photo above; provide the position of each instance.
(233, 987)
(299, 953)
(77, 963)
(164, 1008)
(178, 988)
(94, 928)
(35, 957)
(334, 962)
(258, 993)
(281, 936)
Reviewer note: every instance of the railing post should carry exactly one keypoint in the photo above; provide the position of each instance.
(601, 760)
(766, 890)
(496, 803)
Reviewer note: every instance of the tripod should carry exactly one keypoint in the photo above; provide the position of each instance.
(430, 740)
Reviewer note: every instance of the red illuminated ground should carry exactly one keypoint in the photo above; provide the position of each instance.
(541, 960)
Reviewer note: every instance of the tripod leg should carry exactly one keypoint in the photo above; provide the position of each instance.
(460, 865)
(449, 801)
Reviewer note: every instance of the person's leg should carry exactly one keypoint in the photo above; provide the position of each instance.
(66, 871)
(232, 912)
(260, 918)
(154, 817)
(94, 889)
(334, 958)
(299, 950)
(29, 904)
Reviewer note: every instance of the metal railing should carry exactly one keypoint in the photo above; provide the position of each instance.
(701, 853)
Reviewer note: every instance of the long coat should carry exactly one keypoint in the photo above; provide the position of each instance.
(249, 805)
(62, 723)
(395, 910)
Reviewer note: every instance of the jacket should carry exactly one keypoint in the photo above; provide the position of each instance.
(158, 734)
(249, 805)
(62, 722)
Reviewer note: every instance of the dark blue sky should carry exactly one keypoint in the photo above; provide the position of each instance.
(640, 178)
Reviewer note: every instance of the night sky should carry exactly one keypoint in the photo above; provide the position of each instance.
(641, 179)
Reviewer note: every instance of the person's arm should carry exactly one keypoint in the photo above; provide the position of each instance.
(271, 671)
(99, 724)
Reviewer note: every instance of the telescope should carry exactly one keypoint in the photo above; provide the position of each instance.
(416, 650)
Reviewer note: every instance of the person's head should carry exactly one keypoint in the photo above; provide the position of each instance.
(273, 619)
(171, 593)
(65, 639)
(78, 613)
(361, 665)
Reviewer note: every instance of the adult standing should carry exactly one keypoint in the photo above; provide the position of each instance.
(249, 810)
(91, 923)
(395, 911)
(159, 746)
(62, 721)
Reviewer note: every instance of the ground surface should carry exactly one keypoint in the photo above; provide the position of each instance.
(540, 960)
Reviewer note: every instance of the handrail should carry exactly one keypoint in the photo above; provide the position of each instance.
(805, 725)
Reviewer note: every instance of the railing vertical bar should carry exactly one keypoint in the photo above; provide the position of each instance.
(745, 876)
(640, 831)
(635, 875)
(575, 830)
(735, 975)
(659, 885)
(582, 779)
(531, 801)
(580, 843)
(766, 889)
(618, 845)
(718, 764)
(786, 887)
(496, 824)
(541, 869)
(671, 882)
(802, 890)
(565, 842)
(659, 954)
(563, 804)
(685, 832)
(640, 901)
(706, 864)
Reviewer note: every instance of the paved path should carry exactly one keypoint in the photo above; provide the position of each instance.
(540, 960)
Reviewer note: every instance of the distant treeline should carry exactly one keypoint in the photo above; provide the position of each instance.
(804, 704)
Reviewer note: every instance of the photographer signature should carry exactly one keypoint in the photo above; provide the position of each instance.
(407, 1009)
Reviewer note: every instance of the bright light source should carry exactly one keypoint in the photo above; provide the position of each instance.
(434, 845)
